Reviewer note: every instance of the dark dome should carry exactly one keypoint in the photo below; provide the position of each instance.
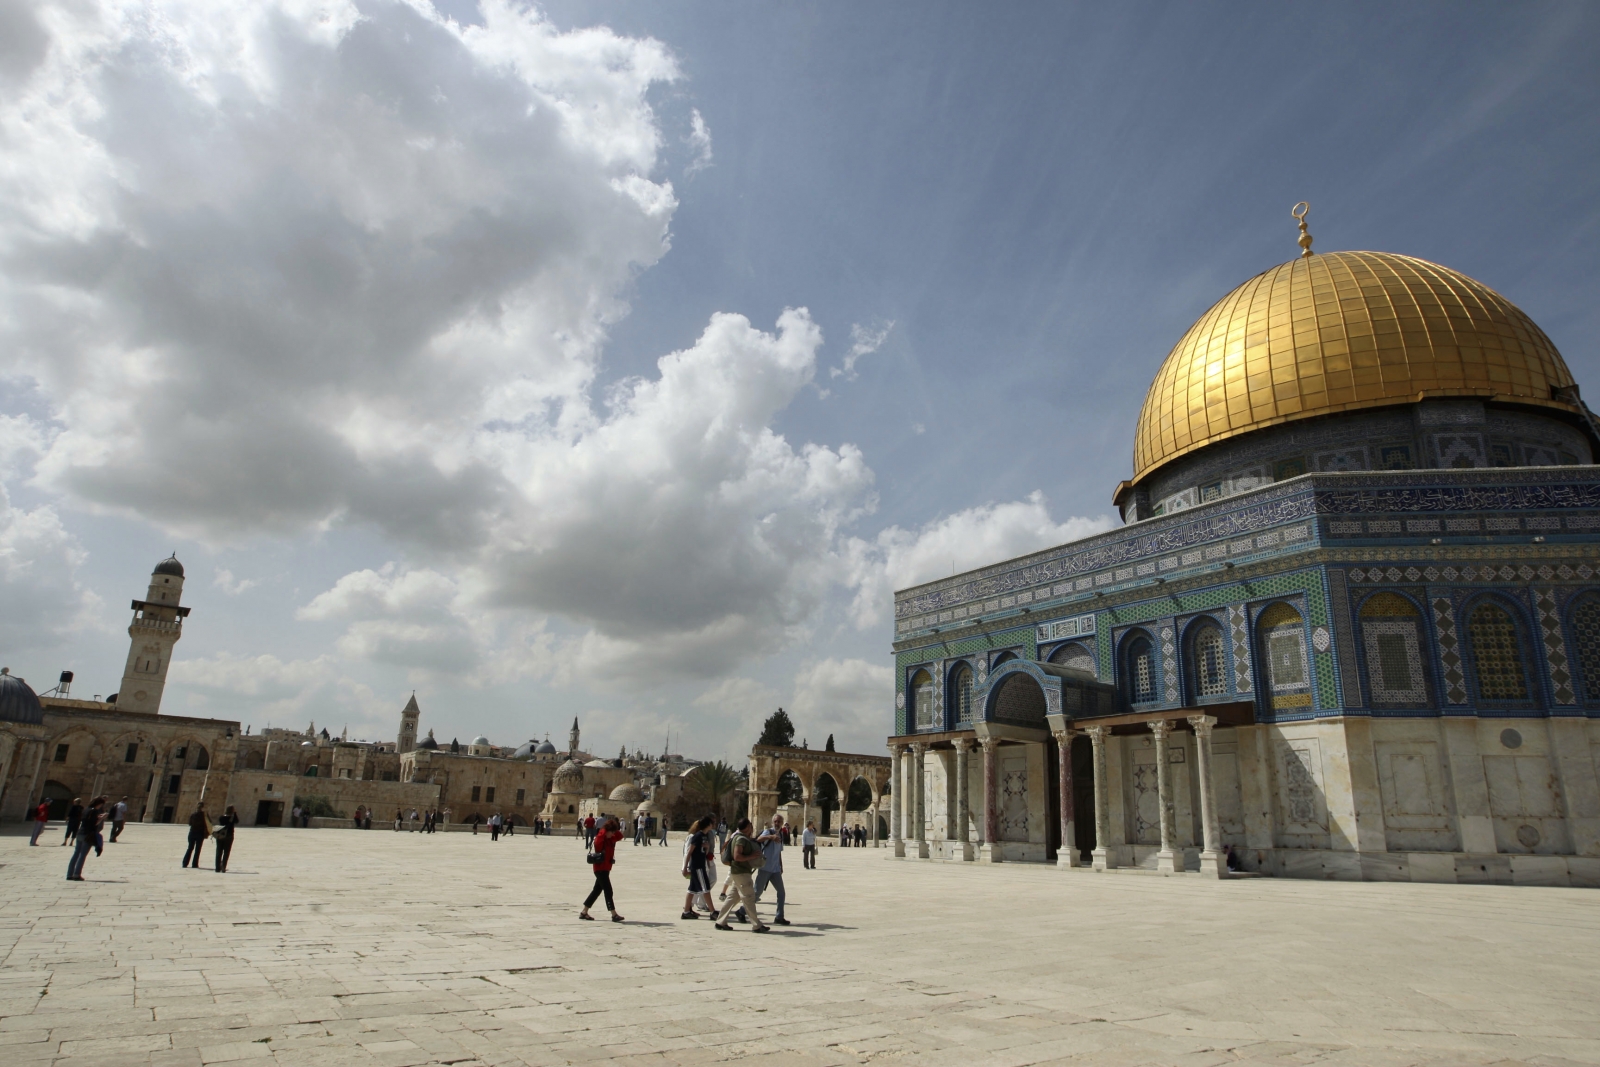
(170, 565)
(428, 742)
(546, 748)
(18, 702)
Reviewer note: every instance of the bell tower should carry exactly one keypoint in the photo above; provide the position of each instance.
(157, 625)
(408, 725)
(572, 738)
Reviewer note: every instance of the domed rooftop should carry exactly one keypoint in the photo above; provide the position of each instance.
(627, 793)
(428, 742)
(571, 771)
(546, 748)
(18, 702)
(170, 565)
(480, 740)
(1336, 332)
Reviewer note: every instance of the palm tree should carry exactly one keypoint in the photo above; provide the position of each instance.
(713, 784)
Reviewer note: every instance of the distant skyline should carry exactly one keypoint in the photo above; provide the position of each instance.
(619, 360)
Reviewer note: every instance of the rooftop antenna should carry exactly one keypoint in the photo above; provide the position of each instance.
(1300, 211)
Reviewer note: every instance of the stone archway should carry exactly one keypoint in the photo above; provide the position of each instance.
(769, 762)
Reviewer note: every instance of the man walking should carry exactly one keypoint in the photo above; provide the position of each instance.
(663, 831)
(74, 817)
(588, 832)
(88, 837)
(743, 856)
(223, 848)
(199, 828)
(771, 842)
(41, 815)
(119, 818)
(808, 847)
(494, 827)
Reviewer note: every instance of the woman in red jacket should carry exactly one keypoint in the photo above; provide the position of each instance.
(604, 853)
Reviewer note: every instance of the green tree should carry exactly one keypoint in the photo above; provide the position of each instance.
(777, 730)
(790, 789)
(714, 785)
(829, 746)
(859, 797)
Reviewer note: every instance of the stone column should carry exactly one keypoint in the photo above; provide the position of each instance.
(960, 836)
(919, 791)
(897, 802)
(1067, 856)
(874, 812)
(990, 850)
(1101, 858)
(1166, 861)
(1212, 863)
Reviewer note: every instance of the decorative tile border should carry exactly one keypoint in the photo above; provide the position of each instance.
(1241, 648)
(1555, 646)
(1444, 624)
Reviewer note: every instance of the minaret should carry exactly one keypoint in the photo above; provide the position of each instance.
(408, 725)
(157, 625)
(572, 738)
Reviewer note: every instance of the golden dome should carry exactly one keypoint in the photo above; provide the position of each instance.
(1341, 331)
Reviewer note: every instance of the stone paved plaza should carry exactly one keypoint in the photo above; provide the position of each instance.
(342, 947)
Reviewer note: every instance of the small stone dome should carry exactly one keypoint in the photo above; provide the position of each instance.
(170, 565)
(627, 793)
(18, 702)
(428, 742)
(569, 774)
(480, 740)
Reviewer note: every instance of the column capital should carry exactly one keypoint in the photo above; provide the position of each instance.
(962, 744)
(1160, 727)
(1064, 735)
(918, 747)
(989, 743)
(1202, 724)
(1098, 734)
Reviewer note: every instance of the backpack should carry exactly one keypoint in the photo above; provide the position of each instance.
(727, 851)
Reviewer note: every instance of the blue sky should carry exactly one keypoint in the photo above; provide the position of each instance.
(381, 364)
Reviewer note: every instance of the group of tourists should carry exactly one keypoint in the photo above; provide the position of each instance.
(221, 833)
(85, 828)
(856, 836)
(644, 827)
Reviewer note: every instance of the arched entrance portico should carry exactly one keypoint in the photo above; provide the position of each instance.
(770, 763)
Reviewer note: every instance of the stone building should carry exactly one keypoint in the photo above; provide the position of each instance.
(1351, 628)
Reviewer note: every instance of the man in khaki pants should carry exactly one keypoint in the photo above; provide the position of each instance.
(743, 856)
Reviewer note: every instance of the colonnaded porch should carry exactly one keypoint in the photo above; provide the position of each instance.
(818, 775)
(1135, 789)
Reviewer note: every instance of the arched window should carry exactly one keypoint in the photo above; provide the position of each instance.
(1003, 657)
(961, 694)
(1207, 653)
(1283, 640)
(1141, 670)
(1497, 654)
(922, 700)
(1020, 700)
(1390, 631)
(1075, 657)
(1586, 639)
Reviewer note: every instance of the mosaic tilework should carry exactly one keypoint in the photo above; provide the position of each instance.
(1555, 646)
(1444, 625)
(1394, 666)
(1344, 639)
(1241, 648)
(1169, 662)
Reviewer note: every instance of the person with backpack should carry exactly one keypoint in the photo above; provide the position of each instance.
(88, 837)
(602, 857)
(743, 856)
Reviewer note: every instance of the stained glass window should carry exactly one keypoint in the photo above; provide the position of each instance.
(963, 695)
(1211, 677)
(1497, 654)
(1586, 631)
(1141, 671)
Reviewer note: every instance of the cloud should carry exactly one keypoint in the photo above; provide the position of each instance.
(276, 265)
(853, 699)
(232, 586)
(264, 689)
(45, 602)
(699, 139)
(864, 340)
(979, 536)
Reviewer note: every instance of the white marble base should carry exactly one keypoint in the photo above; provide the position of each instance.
(991, 853)
(1102, 860)
(1166, 861)
(1213, 865)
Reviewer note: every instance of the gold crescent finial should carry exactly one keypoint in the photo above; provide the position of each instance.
(1300, 211)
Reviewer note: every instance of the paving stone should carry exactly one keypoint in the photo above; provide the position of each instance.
(334, 948)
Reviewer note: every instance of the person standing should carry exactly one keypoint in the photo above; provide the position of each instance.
(74, 817)
(88, 837)
(119, 818)
(494, 827)
(41, 816)
(199, 827)
(398, 819)
(722, 834)
(224, 836)
(771, 873)
(696, 857)
(588, 832)
(663, 831)
(743, 856)
(603, 856)
(638, 829)
(808, 847)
